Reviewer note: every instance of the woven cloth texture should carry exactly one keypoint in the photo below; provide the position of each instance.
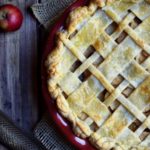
(16, 139)
(48, 135)
(48, 11)
(45, 131)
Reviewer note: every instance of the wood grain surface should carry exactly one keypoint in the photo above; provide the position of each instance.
(19, 70)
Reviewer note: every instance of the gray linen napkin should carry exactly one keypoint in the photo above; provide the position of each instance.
(50, 138)
(16, 139)
(45, 131)
(48, 11)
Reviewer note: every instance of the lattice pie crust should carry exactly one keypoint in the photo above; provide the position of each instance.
(99, 73)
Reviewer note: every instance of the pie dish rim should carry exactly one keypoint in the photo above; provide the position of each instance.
(62, 124)
(56, 93)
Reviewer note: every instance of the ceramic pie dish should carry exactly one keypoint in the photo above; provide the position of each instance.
(62, 124)
(98, 72)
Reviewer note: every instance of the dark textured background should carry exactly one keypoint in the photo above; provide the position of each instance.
(20, 52)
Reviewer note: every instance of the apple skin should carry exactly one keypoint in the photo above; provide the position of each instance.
(11, 18)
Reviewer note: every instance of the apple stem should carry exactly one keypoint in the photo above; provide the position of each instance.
(3, 15)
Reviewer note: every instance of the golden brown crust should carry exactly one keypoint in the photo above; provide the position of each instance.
(75, 17)
(148, 1)
(52, 62)
(100, 3)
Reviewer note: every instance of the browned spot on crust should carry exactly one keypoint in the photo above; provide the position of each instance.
(145, 90)
(100, 3)
(97, 45)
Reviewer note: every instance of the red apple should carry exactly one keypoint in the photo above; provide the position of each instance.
(10, 18)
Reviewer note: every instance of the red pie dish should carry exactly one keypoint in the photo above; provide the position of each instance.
(62, 124)
(96, 67)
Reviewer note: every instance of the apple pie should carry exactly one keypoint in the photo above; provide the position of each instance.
(99, 73)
